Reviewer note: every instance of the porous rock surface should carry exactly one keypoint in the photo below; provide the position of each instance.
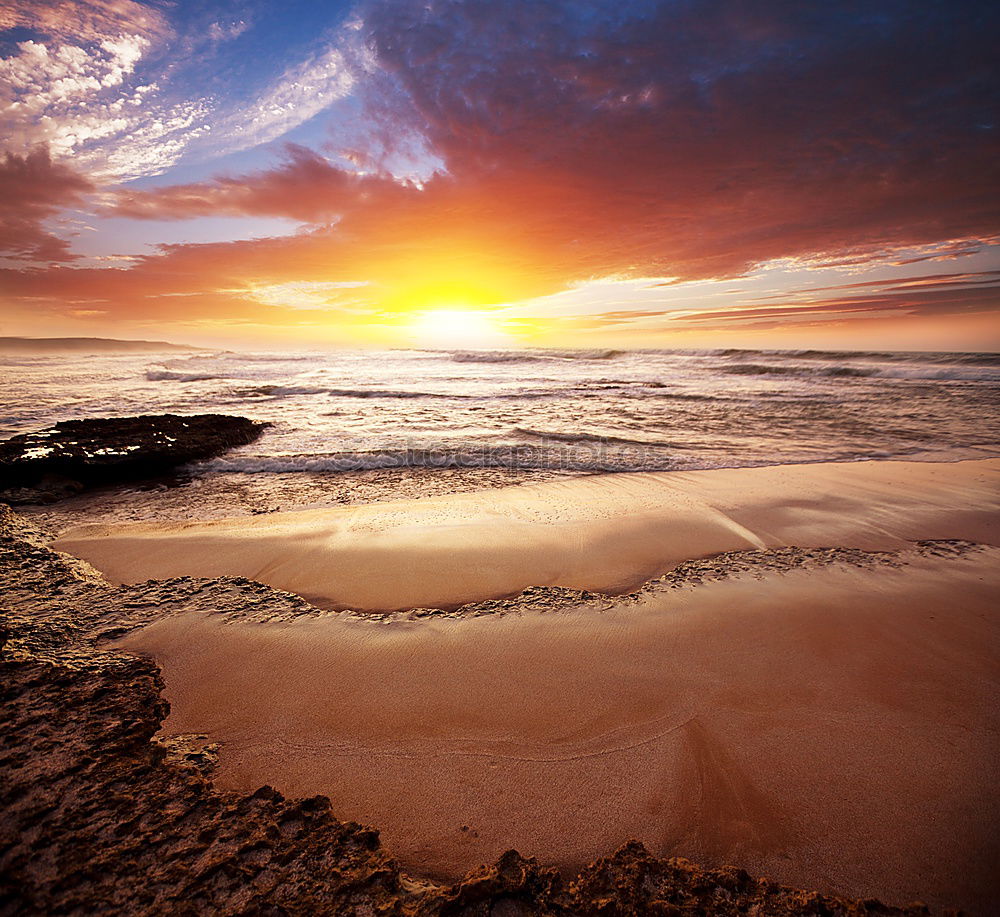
(76, 454)
(99, 816)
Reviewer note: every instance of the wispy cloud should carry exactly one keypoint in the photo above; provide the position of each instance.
(934, 296)
(81, 104)
(116, 86)
(301, 92)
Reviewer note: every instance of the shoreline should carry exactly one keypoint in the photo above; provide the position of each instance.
(604, 533)
(221, 494)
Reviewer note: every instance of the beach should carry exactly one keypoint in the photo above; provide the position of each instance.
(794, 670)
(728, 641)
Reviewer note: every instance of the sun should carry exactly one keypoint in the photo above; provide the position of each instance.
(456, 328)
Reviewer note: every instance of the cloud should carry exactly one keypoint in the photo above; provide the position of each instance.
(686, 140)
(85, 20)
(305, 187)
(715, 135)
(127, 93)
(946, 300)
(984, 278)
(227, 31)
(33, 189)
(76, 89)
(296, 95)
(925, 296)
(698, 140)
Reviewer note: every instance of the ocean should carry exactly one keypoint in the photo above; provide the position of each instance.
(574, 410)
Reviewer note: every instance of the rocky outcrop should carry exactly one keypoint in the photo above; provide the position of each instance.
(99, 816)
(100, 819)
(76, 454)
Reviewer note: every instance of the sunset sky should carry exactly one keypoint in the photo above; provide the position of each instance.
(502, 173)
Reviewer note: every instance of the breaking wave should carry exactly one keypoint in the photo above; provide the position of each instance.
(970, 373)
(271, 357)
(522, 456)
(588, 438)
(283, 391)
(575, 410)
(534, 356)
(169, 375)
(762, 369)
(931, 372)
(879, 356)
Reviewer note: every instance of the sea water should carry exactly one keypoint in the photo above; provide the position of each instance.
(577, 410)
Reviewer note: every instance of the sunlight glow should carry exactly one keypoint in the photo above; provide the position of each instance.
(456, 328)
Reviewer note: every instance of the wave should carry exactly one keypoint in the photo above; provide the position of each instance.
(930, 373)
(848, 372)
(278, 391)
(169, 375)
(223, 355)
(522, 456)
(654, 389)
(829, 355)
(386, 393)
(276, 357)
(969, 373)
(535, 356)
(494, 356)
(897, 356)
(762, 369)
(614, 384)
(588, 438)
(282, 391)
(880, 356)
(588, 354)
(759, 369)
(982, 359)
(568, 459)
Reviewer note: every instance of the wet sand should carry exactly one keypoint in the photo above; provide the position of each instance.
(605, 532)
(836, 729)
(218, 495)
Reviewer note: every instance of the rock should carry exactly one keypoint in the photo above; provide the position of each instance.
(74, 454)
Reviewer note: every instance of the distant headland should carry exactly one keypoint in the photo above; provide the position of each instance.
(84, 345)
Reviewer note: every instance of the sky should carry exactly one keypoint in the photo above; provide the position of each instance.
(502, 173)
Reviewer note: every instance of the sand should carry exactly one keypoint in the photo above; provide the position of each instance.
(606, 532)
(833, 727)
(836, 729)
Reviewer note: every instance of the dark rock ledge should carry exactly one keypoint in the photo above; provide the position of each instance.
(76, 454)
(97, 816)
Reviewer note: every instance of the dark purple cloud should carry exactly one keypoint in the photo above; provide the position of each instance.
(707, 136)
(33, 189)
